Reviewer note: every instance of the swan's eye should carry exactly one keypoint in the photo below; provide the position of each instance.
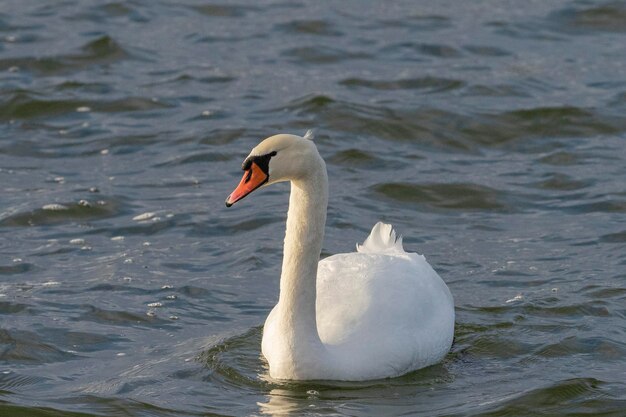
(263, 161)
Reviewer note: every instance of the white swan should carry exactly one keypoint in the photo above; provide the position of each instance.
(375, 313)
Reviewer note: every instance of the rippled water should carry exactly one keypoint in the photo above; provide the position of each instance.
(491, 133)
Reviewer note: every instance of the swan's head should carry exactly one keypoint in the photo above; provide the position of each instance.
(278, 158)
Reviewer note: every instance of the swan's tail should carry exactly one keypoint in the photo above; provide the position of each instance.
(382, 238)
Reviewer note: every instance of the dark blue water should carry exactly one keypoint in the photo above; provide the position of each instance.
(490, 133)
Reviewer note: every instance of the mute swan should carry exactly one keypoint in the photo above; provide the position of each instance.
(375, 313)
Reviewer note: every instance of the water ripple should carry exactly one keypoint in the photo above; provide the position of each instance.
(322, 55)
(607, 17)
(430, 84)
(566, 396)
(101, 51)
(310, 27)
(20, 346)
(445, 196)
(59, 213)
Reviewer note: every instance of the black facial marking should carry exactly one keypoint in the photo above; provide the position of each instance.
(263, 161)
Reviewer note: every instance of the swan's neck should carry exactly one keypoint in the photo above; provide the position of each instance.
(306, 220)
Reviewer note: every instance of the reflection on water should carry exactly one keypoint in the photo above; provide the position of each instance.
(279, 404)
(491, 134)
(282, 402)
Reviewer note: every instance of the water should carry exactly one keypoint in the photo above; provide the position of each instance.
(489, 133)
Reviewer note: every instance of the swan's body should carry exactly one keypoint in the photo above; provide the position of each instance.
(375, 313)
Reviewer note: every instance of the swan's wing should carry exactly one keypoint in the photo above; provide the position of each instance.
(381, 310)
(370, 297)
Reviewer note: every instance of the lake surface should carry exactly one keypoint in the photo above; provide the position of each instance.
(492, 134)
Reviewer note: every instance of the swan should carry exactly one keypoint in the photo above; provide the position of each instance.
(376, 313)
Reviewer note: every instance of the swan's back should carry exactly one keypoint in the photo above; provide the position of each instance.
(382, 311)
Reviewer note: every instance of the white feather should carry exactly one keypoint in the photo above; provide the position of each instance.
(382, 239)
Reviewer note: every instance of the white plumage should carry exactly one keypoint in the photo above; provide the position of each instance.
(375, 313)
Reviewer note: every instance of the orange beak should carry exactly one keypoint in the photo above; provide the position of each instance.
(252, 179)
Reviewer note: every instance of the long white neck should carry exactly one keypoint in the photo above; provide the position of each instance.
(306, 220)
